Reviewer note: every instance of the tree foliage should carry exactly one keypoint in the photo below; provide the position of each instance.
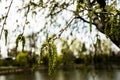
(59, 16)
(79, 9)
(105, 21)
(49, 49)
(22, 59)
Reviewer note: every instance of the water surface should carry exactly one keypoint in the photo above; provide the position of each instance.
(76, 74)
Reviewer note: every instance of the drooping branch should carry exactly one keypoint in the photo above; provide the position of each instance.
(6, 18)
(26, 20)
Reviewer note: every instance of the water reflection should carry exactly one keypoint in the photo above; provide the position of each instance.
(77, 74)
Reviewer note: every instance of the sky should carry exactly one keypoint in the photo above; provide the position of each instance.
(34, 26)
(11, 24)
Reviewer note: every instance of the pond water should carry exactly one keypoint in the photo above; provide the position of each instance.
(76, 74)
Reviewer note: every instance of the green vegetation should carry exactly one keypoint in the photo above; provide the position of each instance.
(49, 58)
(21, 59)
(67, 59)
(61, 25)
(49, 54)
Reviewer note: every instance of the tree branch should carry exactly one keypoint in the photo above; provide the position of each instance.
(96, 22)
(6, 18)
(62, 30)
(26, 20)
(83, 19)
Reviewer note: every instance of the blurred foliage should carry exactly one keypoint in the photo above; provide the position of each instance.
(58, 14)
(12, 52)
(67, 59)
(49, 52)
(32, 40)
(22, 59)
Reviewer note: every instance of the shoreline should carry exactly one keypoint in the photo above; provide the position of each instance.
(10, 70)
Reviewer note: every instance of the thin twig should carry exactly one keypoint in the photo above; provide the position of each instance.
(26, 18)
(62, 30)
(6, 18)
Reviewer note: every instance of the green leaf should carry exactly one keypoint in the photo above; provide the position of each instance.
(98, 10)
(34, 13)
(41, 2)
(114, 12)
(27, 22)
